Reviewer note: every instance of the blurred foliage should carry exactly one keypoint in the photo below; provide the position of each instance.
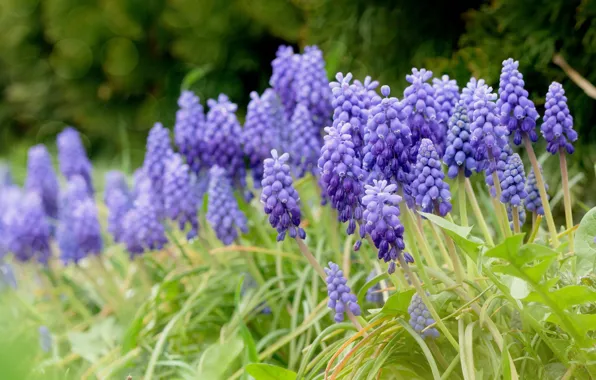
(114, 67)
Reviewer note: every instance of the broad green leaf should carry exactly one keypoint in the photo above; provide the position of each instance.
(585, 247)
(398, 303)
(447, 225)
(269, 372)
(459, 234)
(566, 297)
(508, 249)
(218, 358)
(581, 322)
(517, 287)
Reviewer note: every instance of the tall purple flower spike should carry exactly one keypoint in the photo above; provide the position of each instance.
(41, 178)
(533, 202)
(277, 116)
(189, 129)
(459, 153)
(285, 65)
(72, 157)
(260, 134)
(79, 235)
(420, 109)
(557, 126)
(223, 213)
(311, 86)
(388, 141)
(467, 95)
(516, 110)
(142, 228)
(381, 217)
(341, 299)
(428, 188)
(305, 144)
(279, 198)
(420, 318)
(500, 165)
(180, 199)
(26, 230)
(342, 176)
(446, 98)
(158, 151)
(514, 182)
(118, 200)
(521, 212)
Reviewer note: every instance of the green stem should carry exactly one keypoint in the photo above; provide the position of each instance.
(516, 226)
(412, 245)
(501, 211)
(441, 245)
(552, 229)
(463, 213)
(567, 199)
(457, 266)
(478, 213)
(310, 258)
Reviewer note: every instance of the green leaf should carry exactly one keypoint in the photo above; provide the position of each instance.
(507, 250)
(218, 358)
(585, 248)
(398, 303)
(269, 372)
(582, 322)
(97, 341)
(518, 288)
(566, 297)
(459, 234)
(194, 75)
(370, 284)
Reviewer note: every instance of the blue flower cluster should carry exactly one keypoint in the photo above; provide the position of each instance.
(341, 300)
(467, 95)
(118, 200)
(180, 201)
(223, 213)
(488, 135)
(429, 190)
(446, 98)
(557, 127)
(72, 157)
(420, 318)
(459, 154)
(305, 143)
(513, 182)
(284, 67)
(311, 86)
(142, 228)
(499, 165)
(533, 202)
(156, 155)
(188, 130)
(41, 179)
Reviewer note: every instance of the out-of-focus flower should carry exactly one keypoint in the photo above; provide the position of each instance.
(41, 178)
(557, 127)
(285, 65)
(533, 202)
(340, 297)
(189, 128)
(180, 201)
(305, 142)
(45, 339)
(428, 188)
(459, 153)
(79, 232)
(72, 157)
(420, 318)
(373, 294)
(223, 213)
(158, 151)
(142, 228)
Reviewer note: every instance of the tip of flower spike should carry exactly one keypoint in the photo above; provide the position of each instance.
(385, 90)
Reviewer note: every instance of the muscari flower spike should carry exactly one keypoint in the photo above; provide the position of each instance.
(340, 297)
(279, 198)
(513, 182)
(459, 154)
(381, 217)
(285, 65)
(223, 212)
(72, 157)
(420, 109)
(517, 111)
(342, 176)
(521, 212)
(5, 175)
(277, 117)
(373, 294)
(189, 128)
(305, 142)
(467, 95)
(388, 141)
(260, 134)
(488, 135)
(446, 98)
(79, 232)
(311, 86)
(142, 228)
(26, 230)
(118, 200)
(499, 165)
(557, 126)
(429, 190)
(533, 202)
(420, 318)
(180, 200)
(158, 151)
(7, 276)
(368, 90)
(41, 178)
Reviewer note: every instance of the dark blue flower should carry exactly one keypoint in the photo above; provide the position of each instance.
(514, 181)
(420, 318)
(428, 188)
(180, 199)
(72, 156)
(223, 213)
(557, 127)
(459, 153)
(279, 198)
(305, 144)
(188, 130)
(41, 178)
(533, 202)
(341, 299)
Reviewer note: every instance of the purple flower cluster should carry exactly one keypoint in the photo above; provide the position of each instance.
(517, 112)
(5, 175)
(259, 134)
(467, 95)
(499, 165)
(373, 294)
(459, 153)
(223, 212)
(349, 107)
(41, 179)
(142, 228)
(117, 198)
(342, 176)
(180, 201)
(428, 188)
(488, 135)
(446, 97)
(381, 217)
(533, 202)
(188, 130)
(281, 201)
(521, 212)
(72, 157)
(156, 155)
(388, 141)
(557, 127)
(420, 318)
(284, 67)
(311, 86)
(341, 299)
(514, 181)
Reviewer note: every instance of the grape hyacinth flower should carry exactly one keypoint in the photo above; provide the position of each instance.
(488, 136)
(118, 200)
(459, 154)
(420, 109)
(5, 175)
(41, 178)
(521, 212)
(500, 165)
(368, 90)
(373, 294)
(223, 212)
(26, 230)
(305, 144)
(467, 95)
(72, 157)
(429, 190)
(188, 130)
(388, 141)
(342, 176)
(420, 318)
(533, 202)
(45, 339)
(341, 300)
(7, 276)
(115, 180)
(557, 126)
(259, 134)
(180, 202)
(311, 86)
(158, 151)
(79, 232)
(513, 182)
(517, 111)
(142, 228)
(285, 66)
(446, 98)
(277, 117)
(381, 217)
(349, 107)
(279, 198)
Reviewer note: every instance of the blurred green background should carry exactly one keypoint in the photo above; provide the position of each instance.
(114, 67)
